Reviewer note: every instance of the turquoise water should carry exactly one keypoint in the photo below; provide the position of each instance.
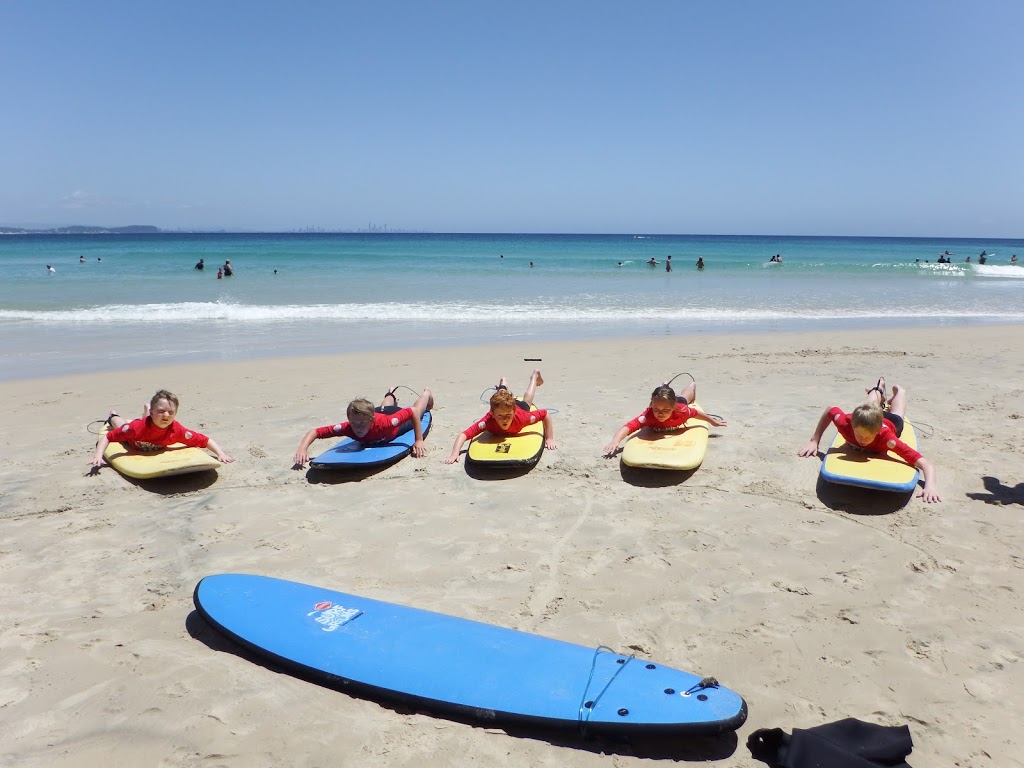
(343, 292)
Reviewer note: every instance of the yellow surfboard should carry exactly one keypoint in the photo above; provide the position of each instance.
(522, 449)
(680, 449)
(847, 465)
(175, 459)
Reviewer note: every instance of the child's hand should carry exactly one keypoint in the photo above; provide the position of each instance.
(716, 422)
(225, 459)
(300, 458)
(419, 450)
(930, 495)
(453, 458)
(550, 445)
(611, 449)
(810, 448)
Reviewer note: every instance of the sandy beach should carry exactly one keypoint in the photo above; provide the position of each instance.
(814, 602)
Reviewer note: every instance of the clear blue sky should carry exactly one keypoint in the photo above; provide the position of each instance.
(885, 117)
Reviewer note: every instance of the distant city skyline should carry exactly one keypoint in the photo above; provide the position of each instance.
(801, 118)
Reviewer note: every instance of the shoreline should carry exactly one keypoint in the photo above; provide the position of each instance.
(812, 601)
(52, 353)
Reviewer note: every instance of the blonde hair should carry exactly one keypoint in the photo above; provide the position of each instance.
(664, 392)
(163, 394)
(360, 407)
(867, 416)
(502, 398)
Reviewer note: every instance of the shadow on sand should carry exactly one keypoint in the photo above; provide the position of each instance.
(997, 493)
(860, 501)
(175, 484)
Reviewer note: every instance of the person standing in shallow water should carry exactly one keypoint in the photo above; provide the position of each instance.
(668, 263)
(228, 271)
(200, 265)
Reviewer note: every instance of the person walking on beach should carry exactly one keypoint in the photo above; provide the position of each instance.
(875, 427)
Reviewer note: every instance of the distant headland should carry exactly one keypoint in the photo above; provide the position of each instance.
(135, 229)
(146, 229)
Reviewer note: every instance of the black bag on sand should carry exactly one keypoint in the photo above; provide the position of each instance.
(848, 743)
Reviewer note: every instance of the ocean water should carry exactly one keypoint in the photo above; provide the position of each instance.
(137, 301)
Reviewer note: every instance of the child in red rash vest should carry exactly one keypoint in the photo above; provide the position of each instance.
(371, 425)
(667, 411)
(872, 429)
(508, 416)
(155, 430)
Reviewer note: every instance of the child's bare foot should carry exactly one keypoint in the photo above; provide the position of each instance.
(502, 384)
(145, 411)
(895, 391)
(538, 380)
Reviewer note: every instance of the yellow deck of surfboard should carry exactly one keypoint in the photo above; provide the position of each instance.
(508, 450)
(680, 449)
(175, 459)
(847, 465)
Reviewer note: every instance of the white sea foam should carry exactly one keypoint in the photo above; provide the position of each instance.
(1011, 271)
(457, 313)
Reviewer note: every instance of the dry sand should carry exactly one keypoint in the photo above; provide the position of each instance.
(814, 602)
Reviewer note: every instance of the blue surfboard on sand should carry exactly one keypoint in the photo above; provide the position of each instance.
(352, 454)
(458, 667)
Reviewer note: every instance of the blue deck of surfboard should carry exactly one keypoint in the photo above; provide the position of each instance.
(352, 454)
(457, 666)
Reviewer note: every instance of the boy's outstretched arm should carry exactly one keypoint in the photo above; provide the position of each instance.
(212, 445)
(810, 448)
(453, 457)
(302, 452)
(930, 492)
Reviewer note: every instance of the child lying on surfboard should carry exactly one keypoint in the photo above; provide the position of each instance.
(667, 411)
(875, 426)
(373, 425)
(508, 416)
(156, 429)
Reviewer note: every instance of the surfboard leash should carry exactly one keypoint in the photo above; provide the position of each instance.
(929, 427)
(89, 426)
(591, 705)
(683, 373)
